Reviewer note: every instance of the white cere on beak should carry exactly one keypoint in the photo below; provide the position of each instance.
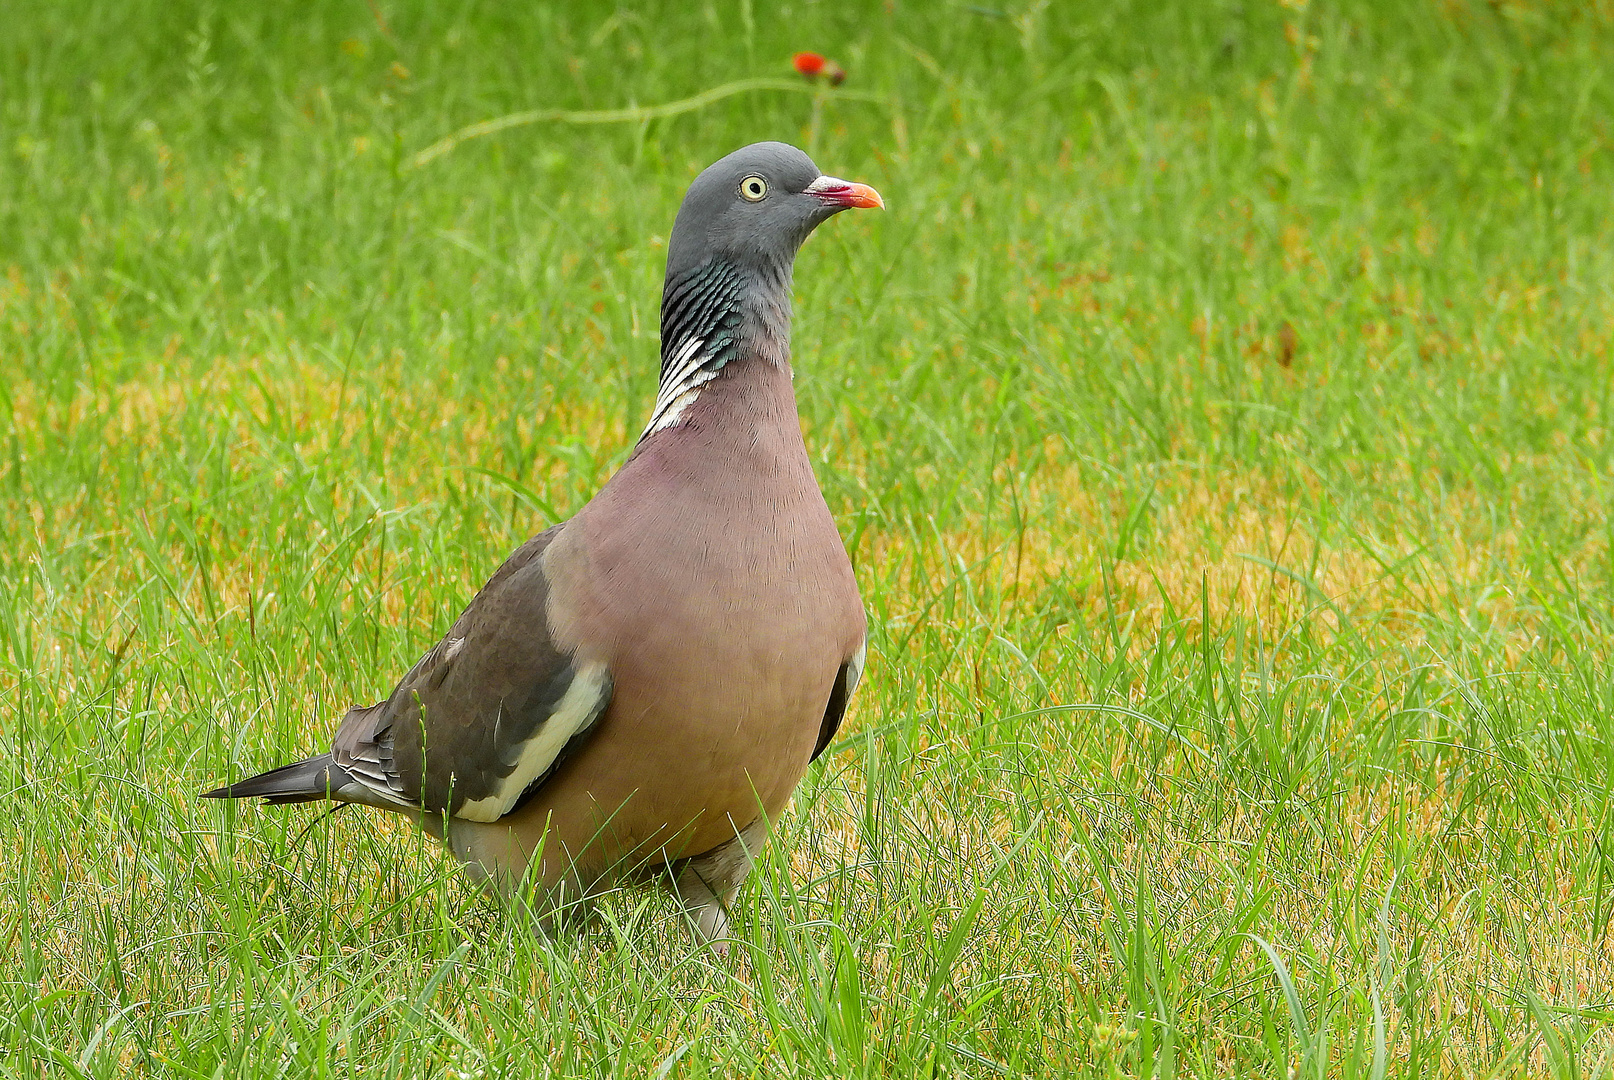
(826, 183)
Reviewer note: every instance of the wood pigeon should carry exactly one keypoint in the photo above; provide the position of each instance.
(636, 692)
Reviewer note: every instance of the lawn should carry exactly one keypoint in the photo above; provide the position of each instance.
(1218, 420)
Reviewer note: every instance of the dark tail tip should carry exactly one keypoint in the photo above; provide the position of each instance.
(302, 781)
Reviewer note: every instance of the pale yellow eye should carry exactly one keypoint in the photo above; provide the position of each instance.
(753, 188)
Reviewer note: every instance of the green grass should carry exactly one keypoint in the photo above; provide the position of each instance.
(1219, 420)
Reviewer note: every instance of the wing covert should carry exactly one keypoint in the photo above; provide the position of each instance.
(488, 714)
(840, 695)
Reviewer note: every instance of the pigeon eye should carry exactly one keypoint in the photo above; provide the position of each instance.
(753, 188)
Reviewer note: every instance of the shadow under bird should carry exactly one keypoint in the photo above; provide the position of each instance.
(637, 691)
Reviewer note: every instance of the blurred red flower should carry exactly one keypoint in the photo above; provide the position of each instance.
(813, 66)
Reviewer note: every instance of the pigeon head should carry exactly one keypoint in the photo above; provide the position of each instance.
(727, 293)
(755, 207)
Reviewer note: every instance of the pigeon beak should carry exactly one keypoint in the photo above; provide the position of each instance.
(843, 194)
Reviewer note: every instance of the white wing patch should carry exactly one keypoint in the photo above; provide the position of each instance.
(854, 667)
(576, 708)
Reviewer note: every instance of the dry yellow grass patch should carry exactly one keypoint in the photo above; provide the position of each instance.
(1240, 544)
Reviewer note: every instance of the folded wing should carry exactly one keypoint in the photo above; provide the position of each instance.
(477, 725)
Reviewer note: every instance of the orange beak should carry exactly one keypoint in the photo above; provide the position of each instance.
(846, 194)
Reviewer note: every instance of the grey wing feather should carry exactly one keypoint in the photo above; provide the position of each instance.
(363, 747)
(840, 695)
(488, 714)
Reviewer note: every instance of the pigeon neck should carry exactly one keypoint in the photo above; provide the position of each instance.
(714, 315)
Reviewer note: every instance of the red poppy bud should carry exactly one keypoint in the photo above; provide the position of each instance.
(809, 63)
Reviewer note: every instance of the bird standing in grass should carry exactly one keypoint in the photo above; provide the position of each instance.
(637, 691)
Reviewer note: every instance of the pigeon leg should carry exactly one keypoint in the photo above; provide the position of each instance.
(707, 884)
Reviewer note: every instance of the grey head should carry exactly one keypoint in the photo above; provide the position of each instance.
(729, 261)
(755, 207)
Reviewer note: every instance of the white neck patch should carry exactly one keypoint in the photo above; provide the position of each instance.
(680, 386)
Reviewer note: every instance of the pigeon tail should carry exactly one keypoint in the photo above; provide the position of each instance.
(303, 781)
